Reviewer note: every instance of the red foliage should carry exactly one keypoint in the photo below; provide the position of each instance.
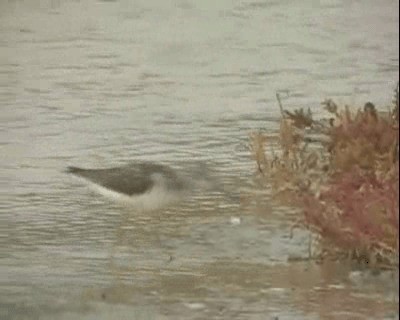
(344, 175)
(357, 210)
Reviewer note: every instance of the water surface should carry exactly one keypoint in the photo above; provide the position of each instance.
(99, 83)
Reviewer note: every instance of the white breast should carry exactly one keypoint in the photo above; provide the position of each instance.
(156, 198)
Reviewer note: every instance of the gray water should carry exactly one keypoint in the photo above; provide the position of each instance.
(99, 83)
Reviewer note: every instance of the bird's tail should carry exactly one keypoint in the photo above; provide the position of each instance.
(74, 170)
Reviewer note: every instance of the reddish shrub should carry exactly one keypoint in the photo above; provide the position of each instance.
(346, 180)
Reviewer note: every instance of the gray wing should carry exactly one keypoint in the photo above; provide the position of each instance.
(126, 180)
